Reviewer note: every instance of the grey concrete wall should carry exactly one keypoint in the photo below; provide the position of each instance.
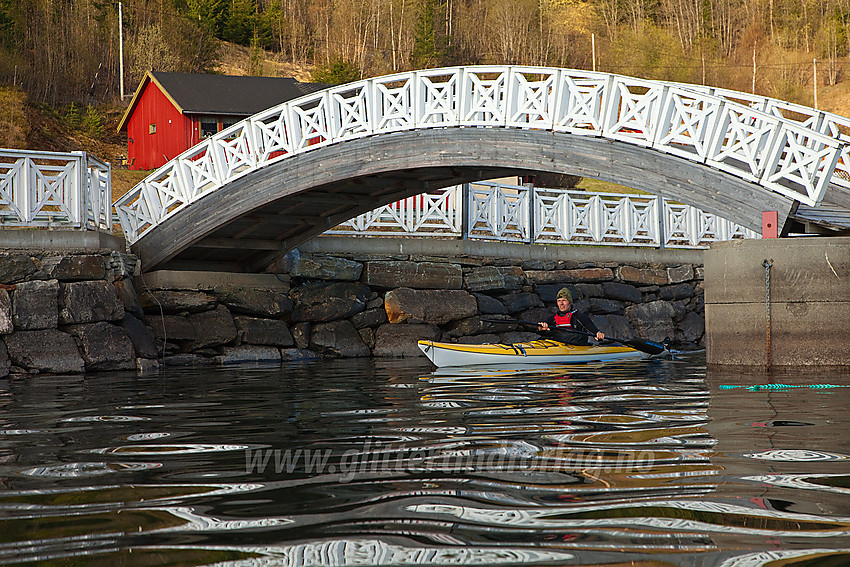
(809, 302)
(60, 240)
(517, 252)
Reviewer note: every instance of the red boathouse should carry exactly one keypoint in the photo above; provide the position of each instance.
(171, 112)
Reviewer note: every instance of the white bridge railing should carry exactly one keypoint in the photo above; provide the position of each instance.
(54, 190)
(512, 213)
(791, 153)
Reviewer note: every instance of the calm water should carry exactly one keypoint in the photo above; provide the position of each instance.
(386, 462)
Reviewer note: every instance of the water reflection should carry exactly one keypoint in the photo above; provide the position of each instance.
(388, 462)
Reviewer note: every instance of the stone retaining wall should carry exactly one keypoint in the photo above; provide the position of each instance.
(74, 313)
(360, 305)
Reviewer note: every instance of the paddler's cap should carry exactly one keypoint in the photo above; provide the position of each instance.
(565, 294)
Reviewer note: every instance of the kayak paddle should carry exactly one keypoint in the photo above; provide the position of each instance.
(649, 347)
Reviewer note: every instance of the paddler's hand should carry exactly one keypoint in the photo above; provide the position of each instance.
(543, 326)
(600, 336)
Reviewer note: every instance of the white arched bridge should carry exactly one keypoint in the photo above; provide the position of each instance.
(239, 200)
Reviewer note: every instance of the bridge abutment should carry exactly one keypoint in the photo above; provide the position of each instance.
(778, 302)
(68, 305)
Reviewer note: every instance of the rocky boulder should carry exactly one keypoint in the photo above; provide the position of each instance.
(401, 340)
(475, 326)
(535, 315)
(104, 346)
(171, 327)
(328, 302)
(16, 267)
(5, 363)
(676, 292)
(420, 275)
(48, 350)
(642, 276)
(6, 323)
(586, 290)
(325, 268)
(488, 338)
(690, 329)
(338, 339)
(496, 279)
(522, 301)
(248, 355)
(679, 274)
(187, 359)
(622, 292)
(35, 305)
(370, 317)
(614, 325)
(264, 331)
(147, 365)
(559, 277)
(605, 306)
(653, 320)
(490, 305)
(212, 328)
(129, 298)
(140, 335)
(301, 334)
(250, 301)
(89, 302)
(175, 301)
(368, 336)
(297, 355)
(75, 267)
(512, 337)
(428, 306)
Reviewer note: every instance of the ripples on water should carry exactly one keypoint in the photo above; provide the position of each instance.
(387, 462)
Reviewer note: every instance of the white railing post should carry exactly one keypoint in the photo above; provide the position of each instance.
(81, 194)
(26, 190)
(530, 209)
(660, 204)
(466, 211)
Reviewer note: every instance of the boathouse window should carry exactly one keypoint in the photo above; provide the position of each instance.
(209, 126)
(227, 123)
(152, 128)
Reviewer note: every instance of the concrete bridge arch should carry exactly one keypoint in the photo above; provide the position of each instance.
(243, 198)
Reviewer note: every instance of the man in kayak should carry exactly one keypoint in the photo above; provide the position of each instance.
(567, 318)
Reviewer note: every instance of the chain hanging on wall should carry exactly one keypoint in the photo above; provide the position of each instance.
(768, 264)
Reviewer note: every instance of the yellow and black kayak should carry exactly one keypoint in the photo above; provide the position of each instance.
(533, 352)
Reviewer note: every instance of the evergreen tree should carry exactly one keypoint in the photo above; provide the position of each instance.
(72, 116)
(336, 72)
(7, 23)
(91, 123)
(425, 52)
(240, 22)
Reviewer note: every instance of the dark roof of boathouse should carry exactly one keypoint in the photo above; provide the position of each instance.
(198, 93)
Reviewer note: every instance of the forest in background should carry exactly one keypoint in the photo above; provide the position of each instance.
(63, 51)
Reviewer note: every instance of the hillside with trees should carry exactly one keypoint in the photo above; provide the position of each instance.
(59, 60)
(64, 51)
